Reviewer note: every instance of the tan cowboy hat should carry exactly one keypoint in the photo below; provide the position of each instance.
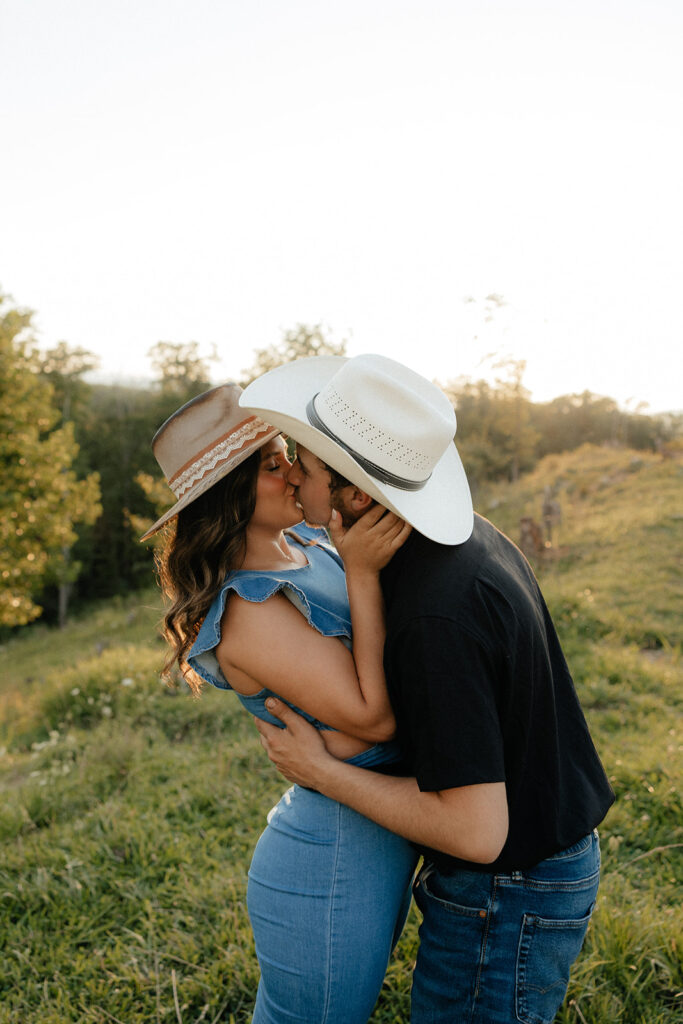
(202, 442)
(384, 427)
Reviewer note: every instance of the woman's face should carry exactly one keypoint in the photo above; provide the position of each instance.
(276, 506)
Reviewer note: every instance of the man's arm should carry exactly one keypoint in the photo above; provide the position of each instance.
(470, 822)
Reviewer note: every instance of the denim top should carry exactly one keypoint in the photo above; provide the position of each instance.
(317, 590)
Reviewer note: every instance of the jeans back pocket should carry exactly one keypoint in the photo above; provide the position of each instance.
(547, 949)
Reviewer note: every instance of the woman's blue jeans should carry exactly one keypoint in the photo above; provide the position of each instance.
(498, 948)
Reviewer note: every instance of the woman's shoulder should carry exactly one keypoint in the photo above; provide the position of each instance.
(317, 591)
(251, 586)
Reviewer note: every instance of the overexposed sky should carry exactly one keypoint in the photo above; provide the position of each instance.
(219, 171)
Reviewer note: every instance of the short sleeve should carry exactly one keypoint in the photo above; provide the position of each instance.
(317, 591)
(444, 683)
(251, 587)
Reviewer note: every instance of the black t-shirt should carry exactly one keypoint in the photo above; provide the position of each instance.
(482, 692)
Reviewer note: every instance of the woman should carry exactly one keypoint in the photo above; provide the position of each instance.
(262, 602)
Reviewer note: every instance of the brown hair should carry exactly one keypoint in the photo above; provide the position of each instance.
(337, 484)
(337, 481)
(203, 544)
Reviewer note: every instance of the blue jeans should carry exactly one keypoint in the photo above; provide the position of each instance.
(328, 894)
(498, 948)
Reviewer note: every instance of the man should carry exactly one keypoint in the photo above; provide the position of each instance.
(506, 787)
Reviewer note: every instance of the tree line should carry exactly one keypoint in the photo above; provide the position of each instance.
(79, 482)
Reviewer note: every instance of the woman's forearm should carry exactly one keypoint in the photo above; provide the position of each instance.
(368, 626)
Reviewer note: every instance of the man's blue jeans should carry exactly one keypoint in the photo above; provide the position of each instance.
(497, 949)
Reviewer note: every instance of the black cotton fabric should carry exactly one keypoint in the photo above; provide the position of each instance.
(482, 692)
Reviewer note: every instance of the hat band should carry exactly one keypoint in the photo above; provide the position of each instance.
(383, 475)
(222, 450)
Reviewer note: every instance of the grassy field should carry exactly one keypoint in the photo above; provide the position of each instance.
(129, 812)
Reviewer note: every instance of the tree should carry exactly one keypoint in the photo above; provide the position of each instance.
(160, 497)
(120, 422)
(64, 366)
(300, 342)
(495, 435)
(514, 420)
(41, 499)
(115, 427)
(180, 369)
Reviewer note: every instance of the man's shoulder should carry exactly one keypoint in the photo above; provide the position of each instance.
(453, 580)
(425, 576)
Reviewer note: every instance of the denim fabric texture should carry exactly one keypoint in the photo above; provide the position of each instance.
(328, 890)
(317, 589)
(328, 895)
(498, 948)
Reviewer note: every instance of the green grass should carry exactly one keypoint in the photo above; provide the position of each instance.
(128, 813)
(617, 568)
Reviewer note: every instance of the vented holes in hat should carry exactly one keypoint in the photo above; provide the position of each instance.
(382, 442)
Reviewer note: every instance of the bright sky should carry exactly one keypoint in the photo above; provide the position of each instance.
(220, 170)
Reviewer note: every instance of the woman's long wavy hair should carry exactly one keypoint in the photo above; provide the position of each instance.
(204, 543)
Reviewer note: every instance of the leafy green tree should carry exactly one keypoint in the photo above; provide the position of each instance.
(569, 421)
(64, 367)
(496, 436)
(41, 499)
(300, 342)
(160, 497)
(116, 426)
(181, 372)
(121, 422)
(514, 419)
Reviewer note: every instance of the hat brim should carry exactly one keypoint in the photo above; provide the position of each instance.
(209, 480)
(441, 510)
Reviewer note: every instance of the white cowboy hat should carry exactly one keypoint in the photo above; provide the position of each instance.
(384, 427)
(202, 442)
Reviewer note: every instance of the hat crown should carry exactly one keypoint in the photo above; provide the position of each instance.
(359, 407)
(198, 424)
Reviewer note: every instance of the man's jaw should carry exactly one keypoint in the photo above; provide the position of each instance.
(309, 521)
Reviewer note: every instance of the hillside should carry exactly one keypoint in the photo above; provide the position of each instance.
(128, 811)
(616, 561)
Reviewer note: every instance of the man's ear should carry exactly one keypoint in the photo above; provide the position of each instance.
(352, 503)
(358, 501)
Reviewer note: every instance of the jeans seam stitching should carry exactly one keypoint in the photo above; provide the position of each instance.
(484, 944)
(330, 914)
(575, 885)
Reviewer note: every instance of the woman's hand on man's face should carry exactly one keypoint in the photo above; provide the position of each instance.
(371, 542)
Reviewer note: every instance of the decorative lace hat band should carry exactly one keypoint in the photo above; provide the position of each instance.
(222, 450)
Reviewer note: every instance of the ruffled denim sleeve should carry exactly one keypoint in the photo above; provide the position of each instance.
(318, 591)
